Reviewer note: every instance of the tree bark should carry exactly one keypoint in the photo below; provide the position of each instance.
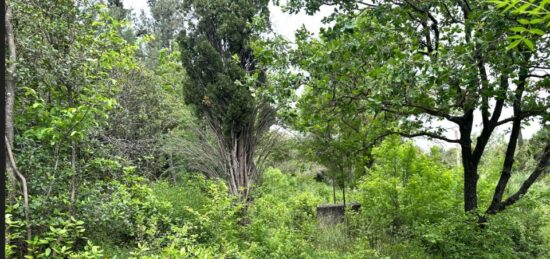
(10, 97)
(334, 188)
(74, 158)
(469, 163)
(241, 163)
(237, 149)
(11, 167)
(344, 191)
(23, 182)
(10, 77)
(506, 172)
(542, 167)
(172, 169)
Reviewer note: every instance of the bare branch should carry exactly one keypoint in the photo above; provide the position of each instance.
(539, 76)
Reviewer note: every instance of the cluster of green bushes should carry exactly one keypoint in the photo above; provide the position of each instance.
(411, 208)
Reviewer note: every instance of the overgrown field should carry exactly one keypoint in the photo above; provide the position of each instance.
(411, 208)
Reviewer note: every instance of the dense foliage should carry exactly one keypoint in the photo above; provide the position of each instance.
(198, 132)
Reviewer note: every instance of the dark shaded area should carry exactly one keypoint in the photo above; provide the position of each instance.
(334, 213)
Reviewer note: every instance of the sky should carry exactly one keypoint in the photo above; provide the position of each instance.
(283, 23)
(286, 24)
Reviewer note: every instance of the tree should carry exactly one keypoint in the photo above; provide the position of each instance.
(13, 172)
(533, 18)
(342, 131)
(150, 110)
(447, 61)
(62, 91)
(223, 75)
(168, 18)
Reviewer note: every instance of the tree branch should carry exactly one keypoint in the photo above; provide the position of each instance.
(539, 76)
(541, 168)
(523, 115)
(425, 134)
(506, 172)
(434, 112)
(489, 125)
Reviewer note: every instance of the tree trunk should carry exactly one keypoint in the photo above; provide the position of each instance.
(540, 169)
(342, 172)
(469, 163)
(11, 167)
(74, 154)
(172, 169)
(515, 140)
(242, 166)
(10, 77)
(506, 172)
(23, 182)
(334, 188)
(237, 148)
(237, 152)
(470, 185)
(10, 98)
(74, 158)
(344, 191)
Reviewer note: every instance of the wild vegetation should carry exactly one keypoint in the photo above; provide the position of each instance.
(197, 131)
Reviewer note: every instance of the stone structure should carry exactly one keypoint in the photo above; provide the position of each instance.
(334, 213)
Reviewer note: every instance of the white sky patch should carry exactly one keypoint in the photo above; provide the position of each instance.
(283, 23)
(286, 24)
(136, 5)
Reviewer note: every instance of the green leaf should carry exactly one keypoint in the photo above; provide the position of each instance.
(523, 8)
(529, 44)
(536, 21)
(514, 44)
(524, 21)
(518, 29)
(537, 31)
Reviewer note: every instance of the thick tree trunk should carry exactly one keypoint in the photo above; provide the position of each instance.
(469, 163)
(237, 149)
(242, 165)
(238, 168)
(470, 185)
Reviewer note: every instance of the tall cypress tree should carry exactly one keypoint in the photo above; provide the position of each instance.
(217, 55)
